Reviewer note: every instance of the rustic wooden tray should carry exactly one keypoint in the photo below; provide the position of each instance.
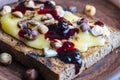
(106, 68)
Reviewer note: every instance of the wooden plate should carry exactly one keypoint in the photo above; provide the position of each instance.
(106, 69)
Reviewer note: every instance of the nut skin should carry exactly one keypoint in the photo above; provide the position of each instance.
(31, 74)
(90, 10)
(18, 14)
(5, 58)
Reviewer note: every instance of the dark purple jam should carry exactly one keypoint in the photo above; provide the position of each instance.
(68, 54)
(60, 31)
(99, 23)
(67, 46)
(49, 5)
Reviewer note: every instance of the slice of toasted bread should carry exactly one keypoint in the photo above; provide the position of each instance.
(53, 68)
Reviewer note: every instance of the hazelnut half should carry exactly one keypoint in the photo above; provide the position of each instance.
(31, 74)
(90, 10)
(5, 10)
(5, 58)
(18, 14)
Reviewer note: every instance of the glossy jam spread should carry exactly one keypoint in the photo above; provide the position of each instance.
(60, 31)
(67, 30)
(71, 56)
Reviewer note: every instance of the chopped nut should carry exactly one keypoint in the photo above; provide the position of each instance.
(31, 74)
(46, 17)
(90, 10)
(5, 58)
(5, 10)
(29, 14)
(60, 11)
(49, 52)
(56, 44)
(43, 29)
(97, 30)
(18, 14)
(33, 24)
(53, 2)
(30, 4)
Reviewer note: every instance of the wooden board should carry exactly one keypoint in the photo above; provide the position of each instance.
(105, 68)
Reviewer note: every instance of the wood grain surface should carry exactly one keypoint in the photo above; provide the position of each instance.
(105, 69)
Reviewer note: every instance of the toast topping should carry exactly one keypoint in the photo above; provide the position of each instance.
(71, 56)
(43, 25)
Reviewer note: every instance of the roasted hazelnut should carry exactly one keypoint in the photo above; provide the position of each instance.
(29, 14)
(5, 58)
(90, 10)
(28, 34)
(53, 2)
(30, 4)
(60, 11)
(18, 14)
(31, 74)
(43, 29)
(5, 10)
(46, 17)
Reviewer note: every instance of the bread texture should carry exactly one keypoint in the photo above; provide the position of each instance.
(53, 68)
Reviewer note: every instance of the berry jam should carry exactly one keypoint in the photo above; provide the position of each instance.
(49, 5)
(99, 23)
(71, 56)
(21, 8)
(28, 34)
(60, 31)
(67, 46)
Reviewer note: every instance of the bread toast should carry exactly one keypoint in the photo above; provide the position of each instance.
(53, 68)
